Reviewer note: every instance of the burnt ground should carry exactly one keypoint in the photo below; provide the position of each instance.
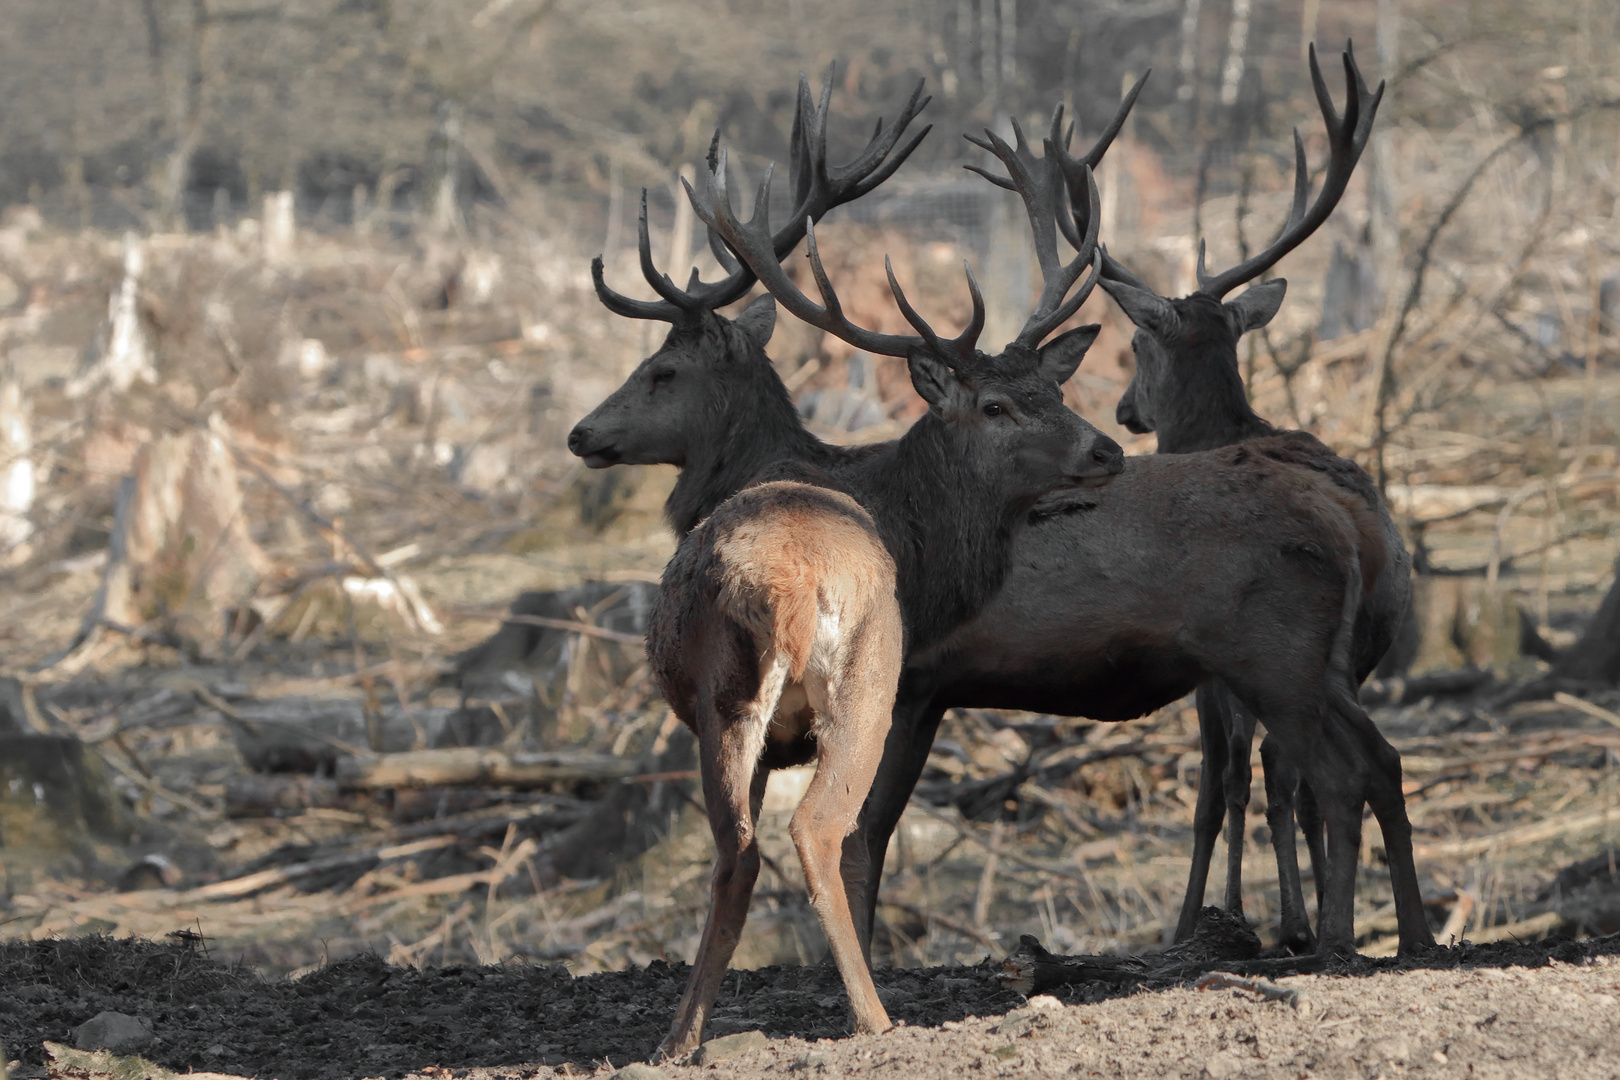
(363, 1017)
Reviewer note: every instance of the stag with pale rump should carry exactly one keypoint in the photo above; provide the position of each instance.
(1188, 388)
(782, 622)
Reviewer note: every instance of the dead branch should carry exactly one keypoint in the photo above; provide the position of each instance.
(572, 626)
(479, 765)
(1264, 987)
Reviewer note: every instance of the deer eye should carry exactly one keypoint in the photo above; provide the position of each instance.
(993, 409)
(666, 375)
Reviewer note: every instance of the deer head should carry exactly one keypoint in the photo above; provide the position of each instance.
(1186, 349)
(706, 357)
(1009, 404)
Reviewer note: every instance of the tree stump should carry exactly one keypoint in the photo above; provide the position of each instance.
(56, 801)
(180, 561)
(1462, 622)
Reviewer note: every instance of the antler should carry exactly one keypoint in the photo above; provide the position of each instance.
(816, 190)
(1073, 168)
(752, 241)
(1045, 199)
(1347, 137)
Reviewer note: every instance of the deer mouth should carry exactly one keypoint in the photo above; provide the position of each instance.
(601, 458)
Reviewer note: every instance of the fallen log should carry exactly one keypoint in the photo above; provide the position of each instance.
(481, 766)
(1412, 689)
(1031, 969)
(312, 867)
(256, 795)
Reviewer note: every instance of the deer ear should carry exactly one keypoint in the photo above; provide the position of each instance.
(1062, 355)
(1256, 306)
(1147, 310)
(758, 320)
(932, 379)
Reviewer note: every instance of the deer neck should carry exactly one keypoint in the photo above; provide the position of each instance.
(948, 527)
(759, 427)
(1207, 413)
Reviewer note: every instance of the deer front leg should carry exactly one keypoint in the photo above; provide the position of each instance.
(1236, 782)
(909, 737)
(1213, 709)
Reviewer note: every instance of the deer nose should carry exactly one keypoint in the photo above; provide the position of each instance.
(1109, 455)
(578, 438)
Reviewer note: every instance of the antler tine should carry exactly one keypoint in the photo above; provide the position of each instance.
(753, 244)
(816, 190)
(1052, 310)
(675, 306)
(661, 283)
(626, 306)
(960, 347)
(1114, 270)
(1072, 165)
(1043, 197)
(1347, 138)
(717, 246)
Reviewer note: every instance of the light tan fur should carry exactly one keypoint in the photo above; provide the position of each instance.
(802, 573)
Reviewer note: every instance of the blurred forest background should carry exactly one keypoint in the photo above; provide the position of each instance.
(295, 315)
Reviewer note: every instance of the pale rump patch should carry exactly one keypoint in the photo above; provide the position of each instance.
(793, 574)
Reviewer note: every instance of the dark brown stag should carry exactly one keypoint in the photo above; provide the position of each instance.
(1117, 603)
(782, 621)
(1188, 388)
(1226, 565)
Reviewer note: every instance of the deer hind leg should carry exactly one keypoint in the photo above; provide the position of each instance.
(1388, 801)
(854, 715)
(1282, 787)
(729, 749)
(1336, 773)
(1327, 753)
(1236, 782)
(1213, 710)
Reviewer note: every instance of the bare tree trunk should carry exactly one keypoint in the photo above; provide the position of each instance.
(1187, 63)
(447, 169)
(680, 236)
(1237, 48)
(1381, 255)
(1009, 43)
(989, 55)
(187, 120)
(1307, 24)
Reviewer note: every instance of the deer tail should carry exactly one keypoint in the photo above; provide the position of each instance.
(1341, 679)
(795, 630)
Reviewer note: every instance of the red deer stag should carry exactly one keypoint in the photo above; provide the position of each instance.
(1226, 564)
(782, 622)
(1187, 388)
(1066, 633)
